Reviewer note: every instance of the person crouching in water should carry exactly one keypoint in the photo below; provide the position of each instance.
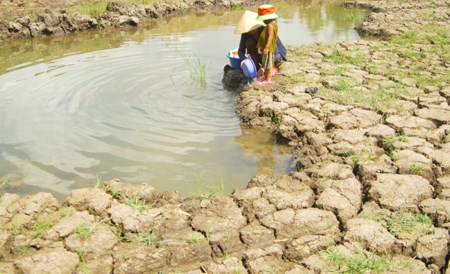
(267, 43)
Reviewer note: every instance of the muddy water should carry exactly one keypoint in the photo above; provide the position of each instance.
(132, 104)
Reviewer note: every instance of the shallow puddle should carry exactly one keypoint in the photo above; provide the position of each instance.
(143, 105)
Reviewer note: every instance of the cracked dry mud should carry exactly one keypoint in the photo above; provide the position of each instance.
(371, 195)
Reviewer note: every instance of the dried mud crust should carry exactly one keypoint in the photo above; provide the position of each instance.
(372, 193)
(29, 19)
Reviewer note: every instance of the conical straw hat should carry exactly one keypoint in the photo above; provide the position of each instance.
(248, 22)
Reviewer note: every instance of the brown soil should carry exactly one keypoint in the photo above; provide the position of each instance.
(371, 194)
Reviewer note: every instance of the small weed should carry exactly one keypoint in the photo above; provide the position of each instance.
(333, 255)
(23, 250)
(82, 256)
(407, 38)
(389, 145)
(195, 238)
(16, 228)
(93, 9)
(339, 57)
(197, 69)
(339, 70)
(66, 211)
(86, 230)
(211, 192)
(343, 84)
(274, 117)
(115, 193)
(424, 219)
(98, 183)
(137, 202)
(417, 168)
(402, 138)
(361, 262)
(400, 222)
(41, 227)
(359, 157)
(351, 16)
(235, 6)
(149, 239)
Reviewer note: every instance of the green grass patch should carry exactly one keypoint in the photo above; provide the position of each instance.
(343, 84)
(86, 230)
(405, 39)
(417, 168)
(137, 202)
(209, 192)
(403, 222)
(197, 68)
(195, 238)
(388, 143)
(340, 57)
(93, 9)
(339, 70)
(360, 157)
(41, 227)
(97, 8)
(149, 239)
(66, 211)
(375, 100)
(359, 262)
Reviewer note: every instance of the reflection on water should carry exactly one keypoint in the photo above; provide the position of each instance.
(121, 104)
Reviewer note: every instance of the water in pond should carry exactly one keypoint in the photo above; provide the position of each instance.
(130, 104)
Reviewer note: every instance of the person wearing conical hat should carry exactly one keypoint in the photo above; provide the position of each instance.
(267, 42)
(250, 29)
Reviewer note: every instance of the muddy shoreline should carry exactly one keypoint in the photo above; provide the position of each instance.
(371, 194)
(20, 23)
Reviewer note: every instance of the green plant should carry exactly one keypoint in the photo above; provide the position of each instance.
(339, 70)
(423, 219)
(351, 16)
(343, 84)
(235, 5)
(389, 145)
(274, 117)
(41, 227)
(417, 168)
(195, 238)
(66, 211)
(359, 262)
(402, 138)
(209, 192)
(3, 184)
(93, 9)
(16, 227)
(86, 230)
(23, 250)
(98, 182)
(115, 193)
(359, 157)
(197, 69)
(82, 256)
(150, 239)
(339, 57)
(137, 202)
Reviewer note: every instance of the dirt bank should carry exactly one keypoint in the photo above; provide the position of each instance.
(371, 194)
(51, 18)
